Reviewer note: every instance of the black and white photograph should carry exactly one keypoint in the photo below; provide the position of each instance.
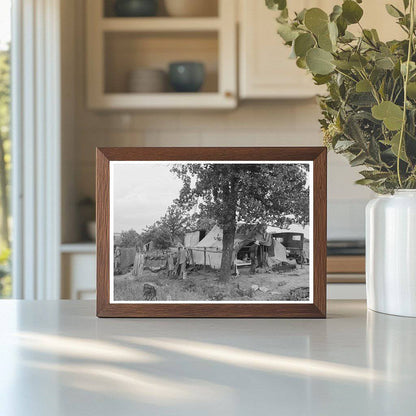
(211, 232)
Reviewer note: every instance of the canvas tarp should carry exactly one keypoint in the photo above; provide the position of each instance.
(192, 238)
(211, 244)
(279, 254)
(209, 250)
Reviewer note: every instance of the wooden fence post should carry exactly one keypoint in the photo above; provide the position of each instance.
(205, 258)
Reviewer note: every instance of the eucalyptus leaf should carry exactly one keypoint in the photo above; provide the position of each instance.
(301, 63)
(358, 160)
(393, 11)
(342, 25)
(319, 61)
(336, 12)
(351, 11)
(300, 17)
(412, 67)
(342, 145)
(364, 181)
(316, 20)
(347, 37)
(411, 90)
(363, 86)
(394, 144)
(375, 35)
(276, 4)
(321, 79)
(385, 63)
(358, 61)
(375, 175)
(286, 32)
(343, 65)
(391, 114)
(325, 42)
(374, 150)
(303, 43)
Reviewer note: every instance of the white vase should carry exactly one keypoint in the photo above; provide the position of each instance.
(391, 253)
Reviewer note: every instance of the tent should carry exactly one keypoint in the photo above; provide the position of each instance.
(209, 250)
(193, 238)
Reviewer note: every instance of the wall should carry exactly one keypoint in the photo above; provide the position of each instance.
(265, 123)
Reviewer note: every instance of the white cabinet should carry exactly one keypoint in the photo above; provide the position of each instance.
(118, 45)
(265, 70)
(264, 65)
(78, 263)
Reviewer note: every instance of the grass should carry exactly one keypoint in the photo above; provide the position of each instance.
(205, 286)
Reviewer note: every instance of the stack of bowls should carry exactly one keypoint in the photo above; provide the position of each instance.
(147, 80)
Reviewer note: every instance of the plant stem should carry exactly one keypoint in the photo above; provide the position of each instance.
(406, 80)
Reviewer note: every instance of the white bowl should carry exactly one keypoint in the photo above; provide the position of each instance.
(145, 80)
(191, 8)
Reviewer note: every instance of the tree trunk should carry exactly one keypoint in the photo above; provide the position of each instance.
(4, 196)
(229, 228)
(227, 250)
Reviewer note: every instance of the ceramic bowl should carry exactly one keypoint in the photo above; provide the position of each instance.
(135, 8)
(186, 76)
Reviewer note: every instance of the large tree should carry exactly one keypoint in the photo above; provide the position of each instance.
(129, 238)
(175, 222)
(252, 193)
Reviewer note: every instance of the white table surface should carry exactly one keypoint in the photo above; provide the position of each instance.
(57, 359)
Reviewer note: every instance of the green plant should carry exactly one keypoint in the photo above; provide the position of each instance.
(369, 112)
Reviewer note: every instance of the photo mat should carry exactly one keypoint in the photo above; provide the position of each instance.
(152, 261)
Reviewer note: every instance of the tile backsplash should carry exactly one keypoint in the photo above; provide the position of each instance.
(287, 123)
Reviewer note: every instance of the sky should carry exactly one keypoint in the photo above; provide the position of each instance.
(5, 21)
(142, 193)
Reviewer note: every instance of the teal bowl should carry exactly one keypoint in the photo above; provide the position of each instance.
(136, 8)
(186, 76)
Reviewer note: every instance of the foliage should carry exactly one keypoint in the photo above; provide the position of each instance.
(369, 112)
(5, 281)
(129, 238)
(168, 230)
(174, 222)
(260, 193)
(158, 234)
(5, 167)
(255, 193)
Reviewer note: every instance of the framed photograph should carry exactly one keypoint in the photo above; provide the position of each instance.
(211, 232)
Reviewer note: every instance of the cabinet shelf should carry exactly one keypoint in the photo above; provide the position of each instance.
(198, 100)
(160, 24)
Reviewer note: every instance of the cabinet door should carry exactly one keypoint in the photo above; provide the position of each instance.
(265, 68)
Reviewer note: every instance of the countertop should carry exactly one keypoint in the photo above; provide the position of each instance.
(57, 358)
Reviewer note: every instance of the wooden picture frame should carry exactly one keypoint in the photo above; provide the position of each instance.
(315, 308)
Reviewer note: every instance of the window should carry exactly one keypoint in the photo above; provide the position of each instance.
(5, 144)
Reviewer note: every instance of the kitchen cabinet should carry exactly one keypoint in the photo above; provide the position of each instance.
(265, 70)
(118, 45)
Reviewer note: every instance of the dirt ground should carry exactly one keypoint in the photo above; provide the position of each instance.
(204, 286)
